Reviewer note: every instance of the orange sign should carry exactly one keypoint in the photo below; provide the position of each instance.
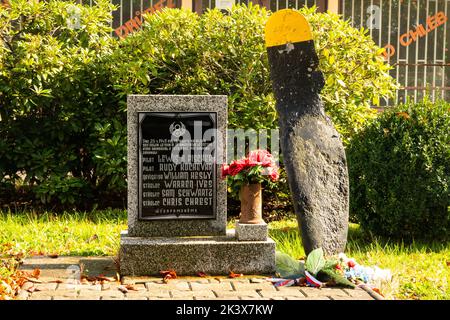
(432, 23)
(414, 34)
(135, 23)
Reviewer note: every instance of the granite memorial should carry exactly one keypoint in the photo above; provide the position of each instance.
(176, 198)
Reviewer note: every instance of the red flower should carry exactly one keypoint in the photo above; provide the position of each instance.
(351, 263)
(261, 157)
(274, 175)
(225, 170)
(272, 172)
(237, 166)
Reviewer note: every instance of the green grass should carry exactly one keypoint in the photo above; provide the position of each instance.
(420, 269)
(84, 234)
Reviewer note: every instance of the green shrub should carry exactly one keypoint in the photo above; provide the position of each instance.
(57, 104)
(400, 172)
(179, 52)
(63, 89)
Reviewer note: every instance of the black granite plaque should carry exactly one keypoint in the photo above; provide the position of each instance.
(177, 169)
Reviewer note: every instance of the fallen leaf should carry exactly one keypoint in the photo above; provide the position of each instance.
(56, 281)
(32, 289)
(202, 274)
(168, 275)
(105, 278)
(378, 291)
(122, 289)
(131, 287)
(235, 275)
(53, 256)
(36, 273)
(33, 280)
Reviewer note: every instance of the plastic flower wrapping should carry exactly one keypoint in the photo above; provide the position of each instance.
(318, 272)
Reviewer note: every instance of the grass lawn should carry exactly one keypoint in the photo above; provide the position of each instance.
(421, 270)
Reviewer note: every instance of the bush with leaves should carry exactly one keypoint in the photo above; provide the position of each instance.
(179, 52)
(59, 118)
(399, 170)
(63, 88)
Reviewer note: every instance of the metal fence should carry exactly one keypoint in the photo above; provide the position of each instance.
(416, 36)
(273, 5)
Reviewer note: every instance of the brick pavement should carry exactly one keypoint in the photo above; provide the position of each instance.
(59, 280)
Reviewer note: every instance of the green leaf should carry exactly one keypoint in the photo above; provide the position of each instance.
(288, 267)
(315, 261)
(337, 278)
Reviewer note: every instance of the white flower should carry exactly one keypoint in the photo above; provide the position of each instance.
(382, 275)
(342, 257)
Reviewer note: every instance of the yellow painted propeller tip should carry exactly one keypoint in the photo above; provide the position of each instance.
(287, 26)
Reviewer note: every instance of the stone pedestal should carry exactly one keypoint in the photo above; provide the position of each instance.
(168, 227)
(215, 255)
(251, 232)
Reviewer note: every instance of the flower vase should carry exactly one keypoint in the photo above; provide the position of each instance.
(251, 204)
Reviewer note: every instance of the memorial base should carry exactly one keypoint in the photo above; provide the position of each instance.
(215, 255)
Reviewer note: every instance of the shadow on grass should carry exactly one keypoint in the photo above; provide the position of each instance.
(289, 241)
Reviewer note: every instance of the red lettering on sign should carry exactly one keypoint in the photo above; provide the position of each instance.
(135, 23)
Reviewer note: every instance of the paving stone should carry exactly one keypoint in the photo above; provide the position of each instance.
(317, 292)
(224, 286)
(171, 285)
(165, 294)
(237, 294)
(64, 298)
(87, 287)
(254, 286)
(46, 286)
(22, 295)
(258, 280)
(69, 286)
(359, 294)
(32, 297)
(84, 297)
(293, 293)
(306, 298)
(200, 281)
(111, 293)
(111, 298)
(38, 294)
(191, 294)
(136, 297)
(27, 285)
(234, 280)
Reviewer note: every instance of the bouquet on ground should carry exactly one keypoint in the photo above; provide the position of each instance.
(258, 167)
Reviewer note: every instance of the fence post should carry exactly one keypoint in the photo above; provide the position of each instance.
(198, 6)
(186, 4)
(262, 3)
(333, 6)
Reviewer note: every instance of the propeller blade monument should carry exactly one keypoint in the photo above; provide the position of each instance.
(313, 153)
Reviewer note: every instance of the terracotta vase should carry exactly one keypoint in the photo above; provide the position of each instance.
(251, 204)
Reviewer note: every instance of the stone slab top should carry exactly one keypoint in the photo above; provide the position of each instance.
(174, 103)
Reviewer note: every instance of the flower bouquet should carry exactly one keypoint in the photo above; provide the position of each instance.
(244, 179)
